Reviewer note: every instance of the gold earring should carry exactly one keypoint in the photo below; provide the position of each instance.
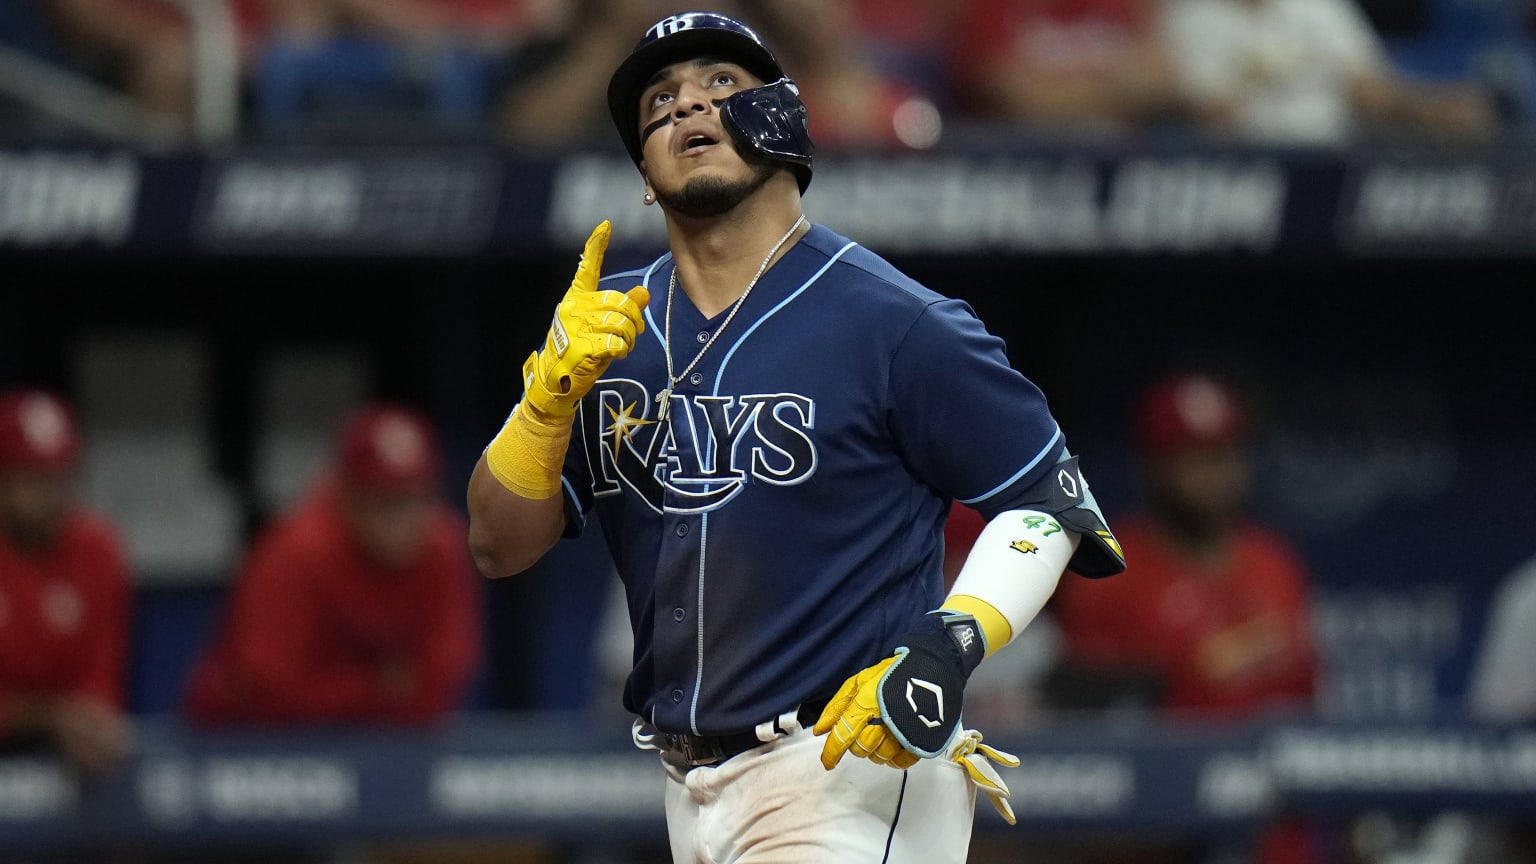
(649, 198)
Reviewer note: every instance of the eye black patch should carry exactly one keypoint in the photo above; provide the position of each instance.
(650, 128)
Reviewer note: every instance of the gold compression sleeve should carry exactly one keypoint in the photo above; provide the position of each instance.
(526, 456)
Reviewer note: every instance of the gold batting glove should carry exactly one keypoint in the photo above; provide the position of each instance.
(853, 719)
(591, 329)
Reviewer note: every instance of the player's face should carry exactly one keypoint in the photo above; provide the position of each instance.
(33, 504)
(691, 162)
(1208, 485)
(392, 527)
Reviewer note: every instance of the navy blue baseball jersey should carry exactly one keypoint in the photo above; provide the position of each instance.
(783, 525)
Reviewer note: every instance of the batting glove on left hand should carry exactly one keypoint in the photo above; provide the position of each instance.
(907, 706)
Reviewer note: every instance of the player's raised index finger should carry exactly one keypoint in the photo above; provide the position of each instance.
(591, 266)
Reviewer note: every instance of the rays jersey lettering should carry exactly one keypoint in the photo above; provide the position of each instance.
(712, 448)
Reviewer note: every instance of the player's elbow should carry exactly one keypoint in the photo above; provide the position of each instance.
(503, 548)
(494, 558)
(509, 533)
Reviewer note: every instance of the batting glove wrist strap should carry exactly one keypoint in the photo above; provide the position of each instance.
(922, 692)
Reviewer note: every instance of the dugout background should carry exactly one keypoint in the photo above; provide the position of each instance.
(1391, 376)
(1366, 375)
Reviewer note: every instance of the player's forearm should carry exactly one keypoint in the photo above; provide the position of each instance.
(516, 510)
(1011, 572)
(509, 533)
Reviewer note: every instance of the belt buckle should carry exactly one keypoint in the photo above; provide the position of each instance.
(684, 744)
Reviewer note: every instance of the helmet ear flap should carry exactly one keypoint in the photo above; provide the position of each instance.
(771, 120)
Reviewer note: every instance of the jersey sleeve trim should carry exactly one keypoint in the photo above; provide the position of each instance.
(811, 280)
(1048, 449)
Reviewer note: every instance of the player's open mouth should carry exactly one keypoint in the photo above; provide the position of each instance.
(695, 143)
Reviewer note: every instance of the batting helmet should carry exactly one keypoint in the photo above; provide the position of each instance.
(1182, 411)
(37, 430)
(770, 119)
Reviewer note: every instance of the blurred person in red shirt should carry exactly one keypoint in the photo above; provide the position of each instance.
(1213, 620)
(359, 604)
(1076, 66)
(64, 594)
(1216, 612)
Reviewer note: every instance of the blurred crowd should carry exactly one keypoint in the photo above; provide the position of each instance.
(356, 603)
(876, 74)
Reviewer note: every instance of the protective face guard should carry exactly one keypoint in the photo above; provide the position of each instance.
(771, 120)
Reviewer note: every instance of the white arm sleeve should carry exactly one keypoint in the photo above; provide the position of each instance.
(1015, 564)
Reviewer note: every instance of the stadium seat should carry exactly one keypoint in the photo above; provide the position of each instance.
(150, 461)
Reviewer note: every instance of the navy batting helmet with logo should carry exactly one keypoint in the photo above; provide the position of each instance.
(770, 120)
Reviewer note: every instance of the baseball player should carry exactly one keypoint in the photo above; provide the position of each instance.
(772, 423)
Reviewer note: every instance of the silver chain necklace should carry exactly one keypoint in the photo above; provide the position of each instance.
(664, 398)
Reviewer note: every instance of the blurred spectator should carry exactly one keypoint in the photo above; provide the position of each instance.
(1090, 66)
(357, 606)
(142, 47)
(909, 39)
(324, 67)
(1212, 622)
(1489, 40)
(544, 100)
(545, 103)
(854, 102)
(1310, 73)
(1213, 619)
(64, 594)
